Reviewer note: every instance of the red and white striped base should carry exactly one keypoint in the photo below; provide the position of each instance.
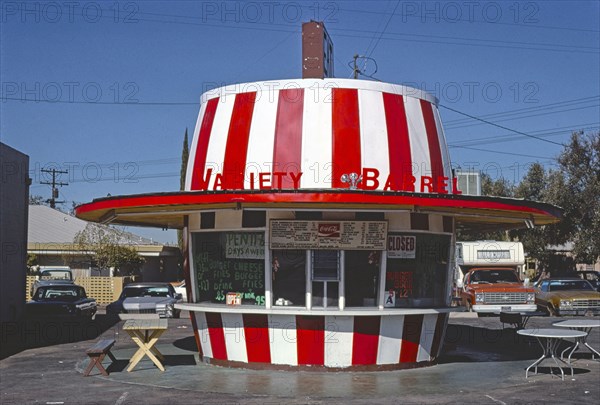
(326, 341)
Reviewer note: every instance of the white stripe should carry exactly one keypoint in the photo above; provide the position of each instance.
(235, 342)
(283, 339)
(339, 332)
(192, 157)
(316, 138)
(259, 157)
(443, 146)
(373, 134)
(427, 334)
(203, 332)
(419, 148)
(390, 339)
(218, 136)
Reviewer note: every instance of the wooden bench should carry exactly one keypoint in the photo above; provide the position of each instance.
(97, 354)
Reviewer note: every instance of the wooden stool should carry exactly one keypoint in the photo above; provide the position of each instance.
(97, 354)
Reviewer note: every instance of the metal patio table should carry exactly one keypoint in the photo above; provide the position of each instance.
(585, 325)
(549, 339)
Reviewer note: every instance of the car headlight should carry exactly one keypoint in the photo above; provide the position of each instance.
(479, 297)
(530, 298)
(566, 304)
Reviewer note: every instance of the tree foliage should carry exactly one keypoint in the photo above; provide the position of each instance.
(37, 200)
(579, 194)
(105, 249)
(574, 186)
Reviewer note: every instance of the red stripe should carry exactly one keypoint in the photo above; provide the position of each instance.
(398, 137)
(216, 335)
(440, 327)
(287, 151)
(236, 148)
(95, 210)
(310, 339)
(365, 339)
(411, 337)
(256, 333)
(435, 151)
(202, 145)
(346, 153)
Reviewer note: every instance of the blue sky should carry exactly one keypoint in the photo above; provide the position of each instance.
(107, 89)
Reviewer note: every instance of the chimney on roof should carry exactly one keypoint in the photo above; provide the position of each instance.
(317, 51)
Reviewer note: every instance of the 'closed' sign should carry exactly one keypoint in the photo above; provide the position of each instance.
(401, 247)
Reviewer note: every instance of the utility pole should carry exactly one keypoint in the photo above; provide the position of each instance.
(54, 183)
(355, 70)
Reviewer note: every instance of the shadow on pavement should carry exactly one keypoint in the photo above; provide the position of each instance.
(188, 343)
(465, 343)
(31, 333)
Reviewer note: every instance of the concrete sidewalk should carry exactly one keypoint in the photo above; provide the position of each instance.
(481, 364)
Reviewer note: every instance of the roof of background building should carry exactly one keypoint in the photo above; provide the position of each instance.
(48, 225)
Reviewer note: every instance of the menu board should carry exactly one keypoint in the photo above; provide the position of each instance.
(220, 271)
(343, 235)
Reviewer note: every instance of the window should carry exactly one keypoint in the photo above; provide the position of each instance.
(361, 277)
(229, 262)
(416, 276)
(325, 265)
(289, 277)
(325, 278)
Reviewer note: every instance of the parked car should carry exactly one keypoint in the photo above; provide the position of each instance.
(180, 289)
(592, 276)
(147, 298)
(52, 276)
(61, 300)
(496, 289)
(568, 296)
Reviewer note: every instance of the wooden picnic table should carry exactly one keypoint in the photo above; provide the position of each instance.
(145, 333)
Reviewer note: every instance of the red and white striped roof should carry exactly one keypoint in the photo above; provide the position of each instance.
(321, 128)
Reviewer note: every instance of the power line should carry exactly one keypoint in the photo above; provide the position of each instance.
(500, 126)
(479, 21)
(151, 103)
(271, 24)
(383, 31)
(527, 109)
(509, 138)
(500, 152)
(527, 116)
(257, 26)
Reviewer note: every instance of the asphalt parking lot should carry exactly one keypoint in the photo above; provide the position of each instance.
(482, 363)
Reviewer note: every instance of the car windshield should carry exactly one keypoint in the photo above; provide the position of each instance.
(146, 292)
(565, 285)
(59, 293)
(494, 276)
(55, 275)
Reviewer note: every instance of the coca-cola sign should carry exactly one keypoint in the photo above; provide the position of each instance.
(327, 234)
(329, 230)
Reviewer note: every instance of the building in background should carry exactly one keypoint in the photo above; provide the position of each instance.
(469, 181)
(51, 236)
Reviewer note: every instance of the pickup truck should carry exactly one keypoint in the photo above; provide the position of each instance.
(494, 290)
(52, 275)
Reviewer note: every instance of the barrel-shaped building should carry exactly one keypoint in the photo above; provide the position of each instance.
(319, 218)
